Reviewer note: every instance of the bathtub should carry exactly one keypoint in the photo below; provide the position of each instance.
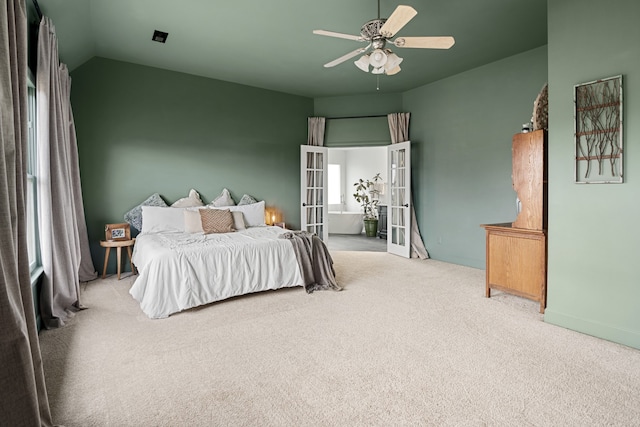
(345, 222)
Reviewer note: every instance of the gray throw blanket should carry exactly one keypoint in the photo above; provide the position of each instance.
(316, 265)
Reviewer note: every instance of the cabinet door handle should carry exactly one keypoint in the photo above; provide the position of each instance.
(406, 205)
(304, 204)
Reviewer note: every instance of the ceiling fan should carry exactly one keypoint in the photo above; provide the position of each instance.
(376, 33)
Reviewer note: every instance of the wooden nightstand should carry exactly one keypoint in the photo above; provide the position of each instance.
(118, 244)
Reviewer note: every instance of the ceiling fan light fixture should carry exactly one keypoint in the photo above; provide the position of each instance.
(379, 32)
(378, 58)
(393, 71)
(393, 61)
(363, 63)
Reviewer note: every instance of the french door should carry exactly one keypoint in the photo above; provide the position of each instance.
(313, 188)
(399, 203)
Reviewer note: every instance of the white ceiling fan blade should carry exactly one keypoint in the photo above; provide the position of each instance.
(425, 42)
(338, 35)
(398, 19)
(345, 57)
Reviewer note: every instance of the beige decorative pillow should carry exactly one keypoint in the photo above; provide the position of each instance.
(238, 221)
(216, 221)
(192, 221)
(193, 199)
(224, 199)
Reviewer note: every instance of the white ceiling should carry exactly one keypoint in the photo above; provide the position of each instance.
(269, 44)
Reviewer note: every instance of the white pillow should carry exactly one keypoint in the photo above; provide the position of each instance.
(192, 200)
(224, 199)
(162, 219)
(253, 213)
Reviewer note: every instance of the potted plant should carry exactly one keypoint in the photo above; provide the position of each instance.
(367, 194)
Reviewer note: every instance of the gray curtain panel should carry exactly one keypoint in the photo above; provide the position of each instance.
(23, 395)
(399, 127)
(399, 130)
(315, 134)
(63, 235)
(86, 269)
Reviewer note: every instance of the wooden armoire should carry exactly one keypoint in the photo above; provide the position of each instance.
(517, 252)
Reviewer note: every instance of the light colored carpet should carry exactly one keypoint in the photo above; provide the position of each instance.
(408, 342)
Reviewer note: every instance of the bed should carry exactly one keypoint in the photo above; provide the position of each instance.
(179, 269)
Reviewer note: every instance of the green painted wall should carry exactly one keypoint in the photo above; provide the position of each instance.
(358, 120)
(357, 132)
(143, 130)
(358, 105)
(461, 129)
(594, 240)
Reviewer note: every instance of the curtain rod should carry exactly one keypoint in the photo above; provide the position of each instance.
(356, 117)
(35, 3)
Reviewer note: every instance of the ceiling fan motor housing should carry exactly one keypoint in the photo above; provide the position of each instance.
(371, 30)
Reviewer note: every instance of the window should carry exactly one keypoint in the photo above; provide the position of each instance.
(32, 211)
(333, 182)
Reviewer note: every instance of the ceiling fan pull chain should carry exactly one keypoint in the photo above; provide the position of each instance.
(378, 82)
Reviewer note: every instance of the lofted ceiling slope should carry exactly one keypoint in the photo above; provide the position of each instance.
(269, 44)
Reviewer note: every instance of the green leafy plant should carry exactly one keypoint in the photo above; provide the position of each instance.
(367, 195)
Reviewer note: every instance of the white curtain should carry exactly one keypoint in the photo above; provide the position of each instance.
(399, 130)
(23, 395)
(315, 135)
(64, 243)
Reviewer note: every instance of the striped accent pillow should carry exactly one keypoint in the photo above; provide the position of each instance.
(216, 221)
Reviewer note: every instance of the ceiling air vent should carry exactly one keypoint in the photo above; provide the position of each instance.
(159, 36)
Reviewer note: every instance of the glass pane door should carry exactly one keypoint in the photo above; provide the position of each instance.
(399, 214)
(313, 185)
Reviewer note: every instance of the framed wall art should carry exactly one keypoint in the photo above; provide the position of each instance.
(598, 131)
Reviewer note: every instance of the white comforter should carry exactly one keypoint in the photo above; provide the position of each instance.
(178, 271)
